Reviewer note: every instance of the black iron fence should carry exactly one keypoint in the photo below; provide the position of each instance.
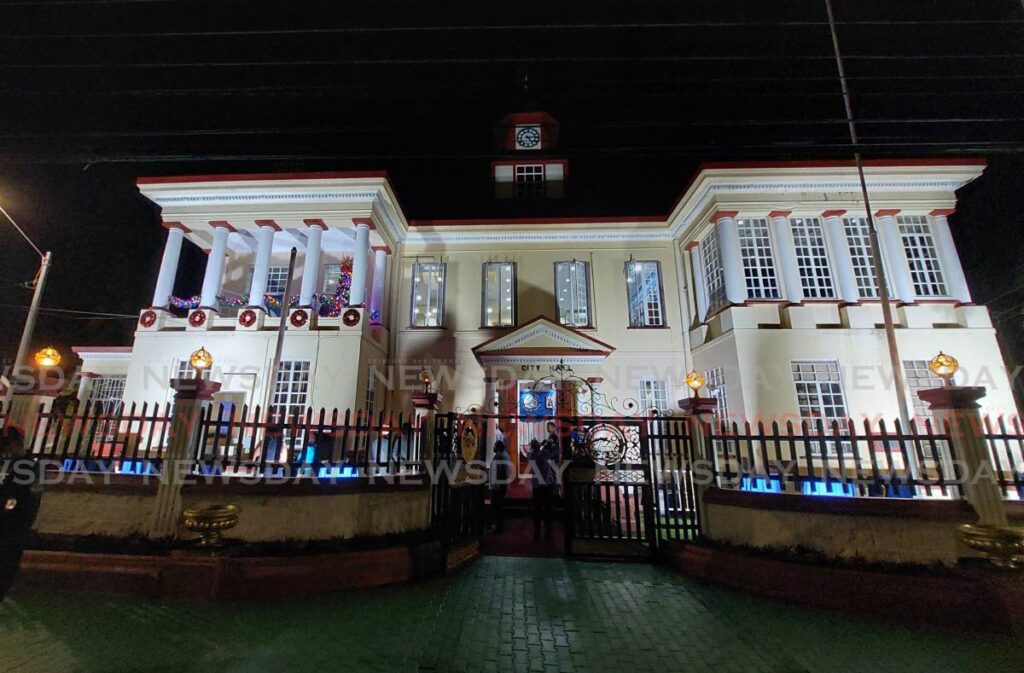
(323, 444)
(81, 437)
(1006, 448)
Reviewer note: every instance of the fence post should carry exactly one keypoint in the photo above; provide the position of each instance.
(190, 398)
(700, 413)
(957, 410)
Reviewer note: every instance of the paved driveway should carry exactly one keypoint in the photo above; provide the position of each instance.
(500, 614)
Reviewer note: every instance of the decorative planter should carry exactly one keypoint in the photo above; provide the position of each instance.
(209, 522)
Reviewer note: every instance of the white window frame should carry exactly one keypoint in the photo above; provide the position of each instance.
(330, 271)
(714, 385)
(528, 180)
(502, 311)
(292, 387)
(185, 370)
(762, 280)
(919, 376)
(814, 381)
(645, 298)
(812, 259)
(857, 232)
(575, 290)
(108, 393)
(923, 259)
(427, 295)
(370, 394)
(653, 395)
(714, 274)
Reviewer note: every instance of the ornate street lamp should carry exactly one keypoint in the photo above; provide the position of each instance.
(944, 366)
(201, 360)
(48, 357)
(694, 381)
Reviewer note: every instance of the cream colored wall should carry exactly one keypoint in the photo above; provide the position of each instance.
(870, 538)
(655, 353)
(241, 358)
(105, 367)
(100, 512)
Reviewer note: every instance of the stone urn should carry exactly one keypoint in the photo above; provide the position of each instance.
(209, 522)
(1002, 545)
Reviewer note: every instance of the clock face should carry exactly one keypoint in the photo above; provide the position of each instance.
(528, 137)
(530, 402)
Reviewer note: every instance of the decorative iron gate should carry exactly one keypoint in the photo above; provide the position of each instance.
(457, 502)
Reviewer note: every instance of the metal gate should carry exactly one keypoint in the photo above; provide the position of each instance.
(457, 501)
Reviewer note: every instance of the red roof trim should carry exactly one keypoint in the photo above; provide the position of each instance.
(315, 222)
(846, 163)
(366, 221)
(243, 177)
(176, 225)
(268, 223)
(942, 211)
(224, 224)
(101, 349)
(720, 214)
(780, 213)
(833, 213)
(887, 212)
(535, 220)
(381, 248)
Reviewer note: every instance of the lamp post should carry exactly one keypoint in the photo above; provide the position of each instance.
(694, 381)
(45, 259)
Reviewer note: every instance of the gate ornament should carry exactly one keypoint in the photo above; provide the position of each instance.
(469, 440)
(594, 403)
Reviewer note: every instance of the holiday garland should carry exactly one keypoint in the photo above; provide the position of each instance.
(330, 304)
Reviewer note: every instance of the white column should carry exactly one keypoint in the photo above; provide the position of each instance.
(265, 241)
(215, 266)
(901, 286)
(732, 262)
(168, 266)
(956, 283)
(357, 296)
(380, 267)
(311, 263)
(842, 260)
(85, 384)
(699, 288)
(785, 253)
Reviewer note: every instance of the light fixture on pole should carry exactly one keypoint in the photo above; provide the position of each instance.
(201, 360)
(38, 283)
(694, 381)
(48, 357)
(945, 367)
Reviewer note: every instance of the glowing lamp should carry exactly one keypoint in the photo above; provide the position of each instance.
(695, 382)
(201, 360)
(944, 366)
(48, 357)
(425, 378)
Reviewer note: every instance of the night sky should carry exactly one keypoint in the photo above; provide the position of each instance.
(98, 93)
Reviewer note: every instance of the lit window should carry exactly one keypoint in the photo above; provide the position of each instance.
(277, 278)
(714, 276)
(858, 238)
(820, 398)
(572, 293)
(653, 396)
(758, 263)
(371, 390)
(643, 285)
(499, 296)
(920, 377)
(427, 295)
(107, 392)
(922, 256)
(714, 384)
(812, 258)
(291, 388)
(332, 277)
(529, 181)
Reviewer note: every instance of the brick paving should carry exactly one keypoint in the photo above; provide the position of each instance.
(499, 614)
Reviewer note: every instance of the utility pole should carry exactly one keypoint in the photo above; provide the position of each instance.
(876, 253)
(39, 283)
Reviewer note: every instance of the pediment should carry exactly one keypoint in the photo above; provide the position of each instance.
(542, 339)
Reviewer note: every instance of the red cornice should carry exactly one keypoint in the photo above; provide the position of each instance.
(888, 212)
(534, 220)
(222, 224)
(367, 221)
(101, 349)
(316, 222)
(780, 213)
(942, 211)
(833, 213)
(244, 177)
(268, 223)
(719, 214)
(176, 225)
(846, 163)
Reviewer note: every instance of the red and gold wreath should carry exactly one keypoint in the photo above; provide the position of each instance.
(197, 319)
(247, 318)
(350, 317)
(299, 318)
(148, 318)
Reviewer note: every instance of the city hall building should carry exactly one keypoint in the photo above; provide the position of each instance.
(760, 277)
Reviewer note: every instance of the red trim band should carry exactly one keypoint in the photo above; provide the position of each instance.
(833, 213)
(780, 213)
(176, 225)
(222, 224)
(720, 214)
(268, 223)
(315, 222)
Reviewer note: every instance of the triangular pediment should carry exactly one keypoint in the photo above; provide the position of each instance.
(542, 339)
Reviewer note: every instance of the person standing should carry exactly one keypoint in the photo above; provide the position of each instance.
(543, 476)
(499, 475)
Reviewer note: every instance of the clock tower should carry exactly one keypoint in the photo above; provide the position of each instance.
(528, 168)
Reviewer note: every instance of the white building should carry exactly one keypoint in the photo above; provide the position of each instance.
(759, 276)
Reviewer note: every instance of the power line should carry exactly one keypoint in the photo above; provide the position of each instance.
(62, 311)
